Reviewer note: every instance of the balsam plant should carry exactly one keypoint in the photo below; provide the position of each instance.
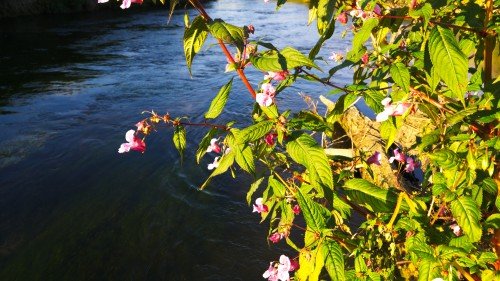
(431, 60)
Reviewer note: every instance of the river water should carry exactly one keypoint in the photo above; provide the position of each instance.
(71, 207)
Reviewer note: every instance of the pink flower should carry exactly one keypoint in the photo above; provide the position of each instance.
(296, 209)
(374, 159)
(271, 273)
(336, 57)
(276, 237)
(456, 229)
(283, 268)
(400, 157)
(259, 207)
(294, 265)
(264, 99)
(365, 58)
(268, 89)
(126, 3)
(102, 1)
(270, 139)
(277, 76)
(391, 109)
(342, 18)
(214, 146)
(377, 10)
(215, 164)
(133, 143)
(410, 164)
(279, 270)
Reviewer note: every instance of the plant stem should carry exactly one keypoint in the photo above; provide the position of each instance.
(216, 126)
(396, 210)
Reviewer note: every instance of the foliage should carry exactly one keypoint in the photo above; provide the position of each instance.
(431, 59)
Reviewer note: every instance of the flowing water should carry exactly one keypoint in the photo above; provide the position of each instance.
(71, 207)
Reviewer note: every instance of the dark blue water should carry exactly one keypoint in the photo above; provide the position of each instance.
(71, 207)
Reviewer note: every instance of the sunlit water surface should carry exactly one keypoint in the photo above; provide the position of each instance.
(71, 207)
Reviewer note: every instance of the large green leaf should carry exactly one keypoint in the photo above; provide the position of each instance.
(467, 214)
(194, 37)
(448, 60)
(314, 213)
(445, 158)
(459, 116)
(288, 58)
(306, 151)
(204, 144)
(362, 35)
(226, 32)
(334, 260)
(401, 76)
(373, 197)
(427, 271)
(244, 158)
(225, 162)
(325, 14)
(179, 139)
(219, 101)
(254, 132)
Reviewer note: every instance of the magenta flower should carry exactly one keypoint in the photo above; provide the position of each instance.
(374, 159)
(365, 58)
(391, 109)
(214, 146)
(294, 265)
(279, 270)
(400, 157)
(296, 209)
(276, 237)
(410, 164)
(377, 10)
(259, 207)
(342, 18)
(270, 139)
(133, 143)
(214, 165)
(277, 76)
(336, 57)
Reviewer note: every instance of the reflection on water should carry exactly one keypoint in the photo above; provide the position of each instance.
(71, 207)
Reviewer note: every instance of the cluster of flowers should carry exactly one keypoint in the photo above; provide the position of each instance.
(401, 158)
(136, 143)
(280, 270)
(266, 95)
(216, 148)
(125, 4)
(391, 109)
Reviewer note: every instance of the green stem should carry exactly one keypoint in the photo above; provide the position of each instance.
(396, 210)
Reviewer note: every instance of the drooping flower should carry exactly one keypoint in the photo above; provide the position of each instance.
(213, 146)
(276, 237)
(266, 97)
(133, 142)
(365, 58)
(336, 57)
(259, 207)
(215, 164)
(342, 18)
(283, 268)
(126, 3)
(294, 265)
(296, 209)
(391, 109)
(410, 164)
(280, 270)
(268, 89)
(400, 157)
(271, 273)
(374, 159)
(276, 76)
(270, 139)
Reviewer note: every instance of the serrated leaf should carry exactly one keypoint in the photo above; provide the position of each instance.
(445, 158)
(459, 116)
(305, 150)
(334, 260)
(448, 60)
(324, 14)
(253, 187)
(204, 144)
(423, 251)
(388, 132)
(366, 193)
(363, 34)
(224, 163)
(401, 76)
(427, 270)
(179, 139)
(314, 213)
(286, 59)
(244, 158)
(226, 32)
(373, 99)
(218, 103)
(254, 132)
(467, 214)
(194, 37)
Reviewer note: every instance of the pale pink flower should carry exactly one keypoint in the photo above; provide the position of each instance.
(126, 3)
(275, 237)
(374, 159)
(342, 18)
(296, 209)
(336, 57)
(410, 164)
(215, 164)
(266, 1)
(277, 76)
(268, 89)
(456, 229)
(283, 268)
(391, 109)
(271, 273)
(133, 143)
(259, 207)
(214, 146)
(102, 1)
(264, 99)
(400, 157)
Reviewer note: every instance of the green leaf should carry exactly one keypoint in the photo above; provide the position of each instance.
(373, 99)
(314, 213)
(194, 37)
(388, 132)
(253, 187)
(401, 76)
(423, 251)
(366, 193)
(305, 150)
(445, 158)
(254, 132)
(173, 3)
(459, 116)
(427, 270)
(244, 158)
(204, 144)
(179, 139)
(325, 14)
(467, 214)
(226, 32)
(286, 59)
(219, 101)
(224, 163)
(448, 60)
(363, 34)
(334, 260)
